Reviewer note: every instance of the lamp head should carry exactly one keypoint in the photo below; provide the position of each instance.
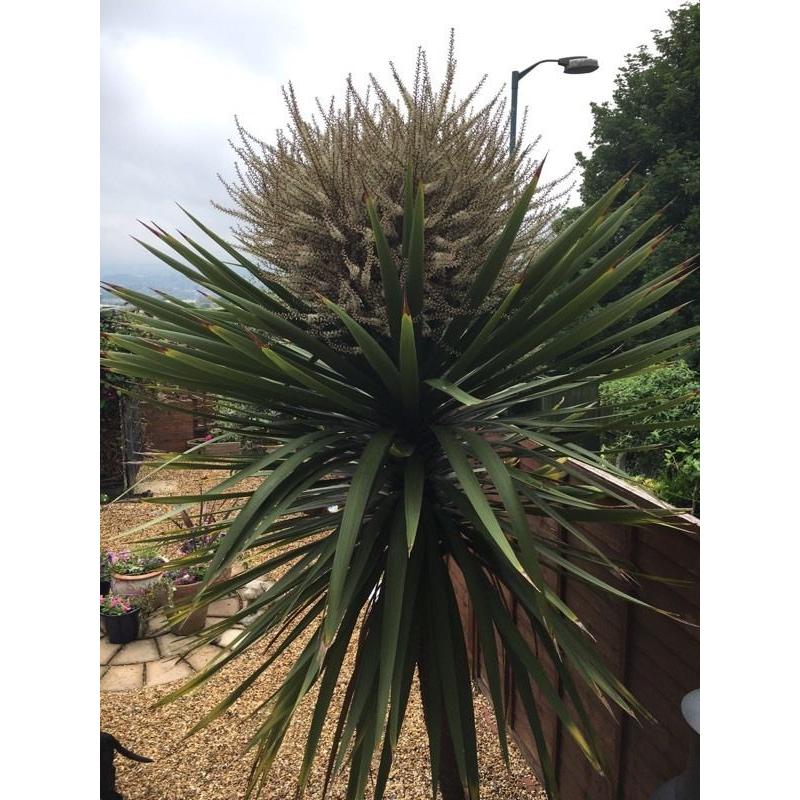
(578, 65)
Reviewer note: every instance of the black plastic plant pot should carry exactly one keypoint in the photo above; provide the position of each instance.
(122, 628)
(105, 586)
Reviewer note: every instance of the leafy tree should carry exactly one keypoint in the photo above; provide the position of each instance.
(654, 123)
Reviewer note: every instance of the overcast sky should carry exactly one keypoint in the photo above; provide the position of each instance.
(175, 72)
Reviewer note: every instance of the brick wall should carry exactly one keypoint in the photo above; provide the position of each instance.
(168, 429)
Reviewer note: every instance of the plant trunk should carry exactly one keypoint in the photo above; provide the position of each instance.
(449, 781)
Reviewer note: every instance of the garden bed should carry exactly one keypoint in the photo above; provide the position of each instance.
(213, 765)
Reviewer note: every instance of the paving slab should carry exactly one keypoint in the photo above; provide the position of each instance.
(136, 652)
(225, 639)
(123, 679)
(171, 645)
(166, 671)
(157, 659)
(201, 657)
(107, 650)
(250, 618)
(224, 607)
(156, 625)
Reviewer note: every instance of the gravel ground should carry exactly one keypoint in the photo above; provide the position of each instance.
(213, 764)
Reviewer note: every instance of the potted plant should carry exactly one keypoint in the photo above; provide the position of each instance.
(186, 584)
(105, 572)
(214, 513)
(134, 572)
(121, 618)
(186, 580)
(148, 601)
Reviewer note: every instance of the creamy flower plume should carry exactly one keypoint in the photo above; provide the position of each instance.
(300, 202)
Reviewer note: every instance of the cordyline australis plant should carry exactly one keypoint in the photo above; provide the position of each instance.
(416, 439)
(413, 419)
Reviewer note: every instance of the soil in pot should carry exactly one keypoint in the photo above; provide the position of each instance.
(121, 628)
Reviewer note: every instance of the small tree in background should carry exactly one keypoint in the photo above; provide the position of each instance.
(654, 124)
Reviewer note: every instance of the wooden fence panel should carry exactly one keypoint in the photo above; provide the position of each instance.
(655, 656)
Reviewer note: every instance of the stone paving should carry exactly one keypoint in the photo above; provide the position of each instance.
(160, 656)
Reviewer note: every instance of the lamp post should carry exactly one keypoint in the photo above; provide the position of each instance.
(573, 65)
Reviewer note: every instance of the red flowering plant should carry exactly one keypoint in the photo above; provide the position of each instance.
(115, 606)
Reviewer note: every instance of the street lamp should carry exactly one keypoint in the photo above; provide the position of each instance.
(573, 65)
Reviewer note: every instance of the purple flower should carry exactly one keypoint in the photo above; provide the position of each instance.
(123, 555)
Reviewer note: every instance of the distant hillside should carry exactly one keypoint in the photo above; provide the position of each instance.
(147, 280)
(151, 277)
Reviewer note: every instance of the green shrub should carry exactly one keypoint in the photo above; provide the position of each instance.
(679, 483)
(667, 459)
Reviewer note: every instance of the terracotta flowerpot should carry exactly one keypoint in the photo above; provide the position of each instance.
(197, 619)
(134, 585)
(121, 628)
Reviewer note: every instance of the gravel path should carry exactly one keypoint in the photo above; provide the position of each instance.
(213, 765)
